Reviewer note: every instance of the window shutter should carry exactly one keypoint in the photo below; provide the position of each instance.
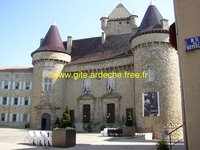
(17, 119)
(7, 103)
(30, 85)
(28, 118)
(12, 101)
(0, 117)
(7, 100)
(6, 117)
(10, 117)
(13, 86)
(20, 85)
(22, 101)
(18, 103)
(9, 84)
(0, 100)
(24, 85)
(2, 85)
(29, 101)
(22, 117)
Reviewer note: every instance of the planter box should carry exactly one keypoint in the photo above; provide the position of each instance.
(128, 131)
(64, 138)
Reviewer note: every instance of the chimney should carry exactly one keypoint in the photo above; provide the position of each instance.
(69, 44)
(103, 37)
(164, 24)
(41, 40)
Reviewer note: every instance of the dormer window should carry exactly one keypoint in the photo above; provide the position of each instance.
(48, 64)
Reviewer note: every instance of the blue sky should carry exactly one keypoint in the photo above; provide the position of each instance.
(24, 22)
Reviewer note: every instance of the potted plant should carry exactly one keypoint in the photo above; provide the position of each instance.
(89, 128)
(129, 129)
(64, 135)
(162, 145)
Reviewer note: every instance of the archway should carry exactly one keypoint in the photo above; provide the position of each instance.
(46, 122)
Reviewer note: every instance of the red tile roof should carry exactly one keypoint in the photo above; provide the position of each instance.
(91, 49)
(52, 42)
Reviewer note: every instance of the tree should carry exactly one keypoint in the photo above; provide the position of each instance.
(129, 120)
(66, 119)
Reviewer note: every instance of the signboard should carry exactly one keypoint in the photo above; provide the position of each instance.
(192, 43)
(151, 106)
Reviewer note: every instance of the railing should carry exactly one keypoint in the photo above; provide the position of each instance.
(170, 137)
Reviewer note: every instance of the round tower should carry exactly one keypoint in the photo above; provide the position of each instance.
(48, 60)
(157, 96)
(133, 19)
(104, 21)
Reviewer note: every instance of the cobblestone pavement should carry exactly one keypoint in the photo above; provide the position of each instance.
(14, 139)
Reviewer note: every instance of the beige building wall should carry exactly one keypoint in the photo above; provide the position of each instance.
(98, 97)
(15, 97)
(47, 102)
(187, 14)
(154, 51)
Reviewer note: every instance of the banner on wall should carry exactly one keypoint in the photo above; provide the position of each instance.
(150, 104)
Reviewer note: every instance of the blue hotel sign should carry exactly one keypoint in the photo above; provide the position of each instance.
(192, 43)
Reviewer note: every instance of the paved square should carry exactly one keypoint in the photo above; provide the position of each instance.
(14, 139)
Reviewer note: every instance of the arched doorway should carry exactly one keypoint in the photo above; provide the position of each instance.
(46, 122)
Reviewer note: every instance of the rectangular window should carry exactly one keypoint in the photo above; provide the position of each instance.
(16, 85)
(111, 86)
(48, 64)
(14, 117)
(27, 85)
(26, 101)
(47, 85)
(149, 74)
(6, 84)
(17, 75)
(25, 118)
(150, 104)
(86, 85)
(16, 101)
(28, 76)
(3, 117)
(4, 100)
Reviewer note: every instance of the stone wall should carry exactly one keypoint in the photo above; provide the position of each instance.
(47, 102)
(157, 53)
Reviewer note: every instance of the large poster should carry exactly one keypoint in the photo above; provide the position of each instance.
(150, 104)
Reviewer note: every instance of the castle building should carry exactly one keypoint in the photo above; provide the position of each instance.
(141, 69)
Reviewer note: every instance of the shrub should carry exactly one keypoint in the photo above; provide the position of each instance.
(66, 119)
(129, 120)
(162, 145)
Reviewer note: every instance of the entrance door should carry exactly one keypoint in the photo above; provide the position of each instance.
(111, 113)
(46, 122)
(86, 113)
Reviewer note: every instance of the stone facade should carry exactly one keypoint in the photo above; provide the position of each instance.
(15, 96)
(123, 48)
(155, 51)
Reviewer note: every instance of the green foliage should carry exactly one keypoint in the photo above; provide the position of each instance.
(57, 123)
(66, 119)
(102, 127)
(162, 145)
(89, 128)
(129, 120)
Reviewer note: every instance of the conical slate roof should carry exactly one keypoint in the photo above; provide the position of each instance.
(52, 41)
(151, 19)
(119, 12)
